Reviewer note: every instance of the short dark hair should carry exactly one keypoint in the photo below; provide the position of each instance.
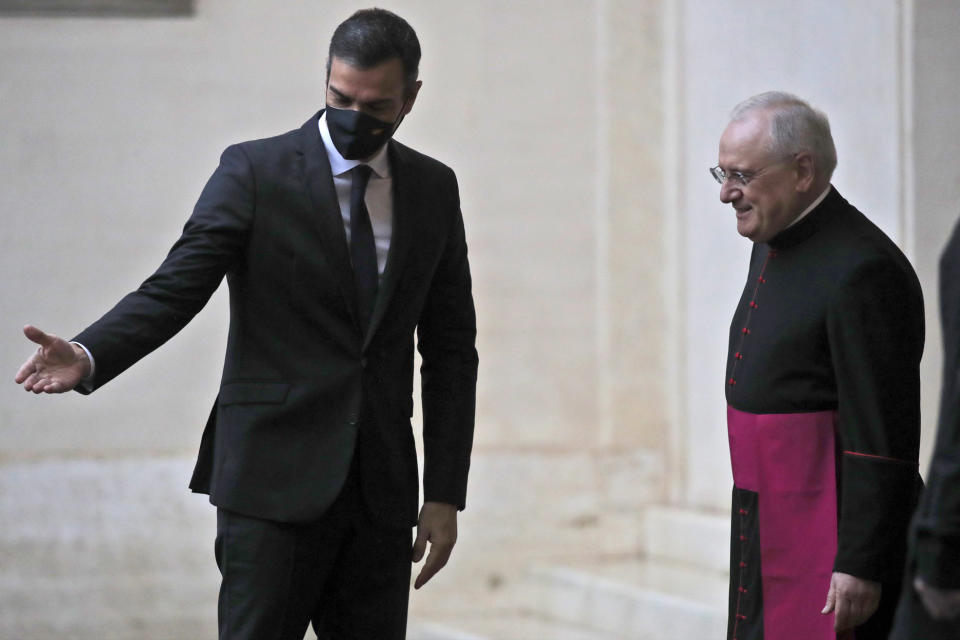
(372, 36)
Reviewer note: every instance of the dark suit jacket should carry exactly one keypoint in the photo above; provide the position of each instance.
(935, 534)
(302, 387)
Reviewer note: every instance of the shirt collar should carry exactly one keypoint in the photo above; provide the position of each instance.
(339, 165)
(813, 205)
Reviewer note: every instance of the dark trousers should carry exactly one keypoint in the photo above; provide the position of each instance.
(345, 574)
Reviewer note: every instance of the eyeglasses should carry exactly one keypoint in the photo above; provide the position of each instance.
(741, 178)
(738, 178)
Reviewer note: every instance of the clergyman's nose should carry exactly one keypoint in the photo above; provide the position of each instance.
(728, 192)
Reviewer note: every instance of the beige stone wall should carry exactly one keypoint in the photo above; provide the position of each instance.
(636, 258)
(580, 131)
(933, 202)
(550, 113)
(112, 126)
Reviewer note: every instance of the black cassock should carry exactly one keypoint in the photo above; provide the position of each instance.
(935, 535)
(823, 393)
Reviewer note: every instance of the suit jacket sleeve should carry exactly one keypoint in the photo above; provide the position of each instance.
(212, 241)
(446, 336)
(937, 526)
(875, 333)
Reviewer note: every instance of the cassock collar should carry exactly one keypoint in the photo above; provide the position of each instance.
(808, 224)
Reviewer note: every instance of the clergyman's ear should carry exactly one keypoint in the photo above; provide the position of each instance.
(806, 171)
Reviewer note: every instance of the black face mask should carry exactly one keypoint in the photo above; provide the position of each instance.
(356, 135)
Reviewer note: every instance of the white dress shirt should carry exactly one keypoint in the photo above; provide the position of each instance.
(378, 198)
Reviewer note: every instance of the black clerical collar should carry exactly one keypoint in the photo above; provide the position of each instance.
(808, 225)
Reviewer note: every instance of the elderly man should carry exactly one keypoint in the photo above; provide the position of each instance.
(930, 603)
(338, 243)
(822, 385)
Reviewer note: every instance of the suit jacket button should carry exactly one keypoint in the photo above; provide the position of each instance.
(354, 419)
(363, 363)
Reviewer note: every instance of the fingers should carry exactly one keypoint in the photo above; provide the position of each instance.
(436, 560)
(420, 544)
(37, 383)
(36, 335)
(852, 609)
(852, 600)
(28, 372)
(52, 386)
(840, 604)
(846, 614)
(831, 599)
(438, 526)
(26, 369)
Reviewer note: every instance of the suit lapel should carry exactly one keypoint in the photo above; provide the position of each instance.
(318, 180)
(401, 236)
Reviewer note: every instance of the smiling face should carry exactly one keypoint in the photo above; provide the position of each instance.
(379, 91)
(778, 187)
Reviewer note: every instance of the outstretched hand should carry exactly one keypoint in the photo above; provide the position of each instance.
(56, 367)
(438, 525)
(852, 600)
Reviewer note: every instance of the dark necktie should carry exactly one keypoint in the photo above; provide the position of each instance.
(363, 249)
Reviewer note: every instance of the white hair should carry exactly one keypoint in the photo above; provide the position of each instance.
(795, 126)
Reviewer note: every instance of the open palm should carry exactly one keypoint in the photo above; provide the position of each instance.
(57, 366)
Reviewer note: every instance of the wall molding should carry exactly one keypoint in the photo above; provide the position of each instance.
(97, 8)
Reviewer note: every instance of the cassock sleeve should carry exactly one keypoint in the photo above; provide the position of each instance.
(212, 240)
(875, 328)
(937, 525)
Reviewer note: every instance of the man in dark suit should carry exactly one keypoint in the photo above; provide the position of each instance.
(930, 602)
(337, 244)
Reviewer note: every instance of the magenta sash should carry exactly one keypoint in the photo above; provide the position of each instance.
(789, 460)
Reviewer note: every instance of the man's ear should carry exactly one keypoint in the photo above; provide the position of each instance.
(412, 96)
(806, 171)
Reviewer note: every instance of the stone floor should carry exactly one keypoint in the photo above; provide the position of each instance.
(118, 549)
